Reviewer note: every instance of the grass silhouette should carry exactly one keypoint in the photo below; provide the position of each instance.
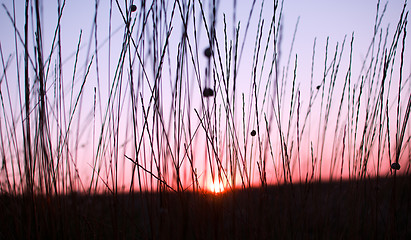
(174, 120)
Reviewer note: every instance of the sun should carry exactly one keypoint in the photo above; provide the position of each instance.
(216, 187)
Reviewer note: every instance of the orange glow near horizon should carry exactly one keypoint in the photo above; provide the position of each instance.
(216, 187)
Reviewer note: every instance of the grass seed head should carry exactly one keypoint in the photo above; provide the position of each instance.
(208, 92)
(207, 52)
(395, 166)
(133, 8)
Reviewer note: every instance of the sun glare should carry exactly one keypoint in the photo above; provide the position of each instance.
(216, 187)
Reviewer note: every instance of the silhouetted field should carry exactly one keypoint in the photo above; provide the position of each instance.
(369, 209)
(175, 108)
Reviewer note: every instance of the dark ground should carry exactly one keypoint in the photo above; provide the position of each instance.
(349, 210)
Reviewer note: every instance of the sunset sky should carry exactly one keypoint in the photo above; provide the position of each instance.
(317, 20)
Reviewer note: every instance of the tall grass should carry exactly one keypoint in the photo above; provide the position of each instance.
(169, 119)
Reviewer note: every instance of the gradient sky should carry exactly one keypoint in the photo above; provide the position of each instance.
(318, 19)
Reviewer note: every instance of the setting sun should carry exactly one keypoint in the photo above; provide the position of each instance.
(216, 187)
